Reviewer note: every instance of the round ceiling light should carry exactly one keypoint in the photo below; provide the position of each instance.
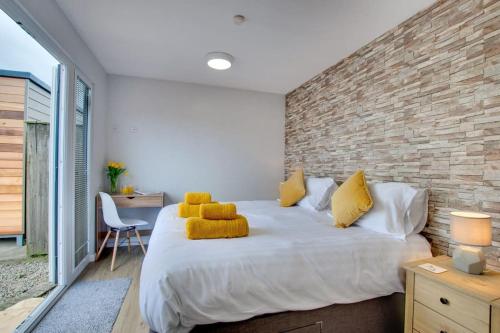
(219, 60)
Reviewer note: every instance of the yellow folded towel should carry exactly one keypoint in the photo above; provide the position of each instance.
(218, 211)
(196, 198)
(198, 228)
(187, 210)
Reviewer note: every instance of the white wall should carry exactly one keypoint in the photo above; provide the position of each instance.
(177, 137)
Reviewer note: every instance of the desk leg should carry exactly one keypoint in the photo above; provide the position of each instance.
(128, 239)
(100, 230)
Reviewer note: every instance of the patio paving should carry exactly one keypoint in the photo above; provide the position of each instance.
(11, 317)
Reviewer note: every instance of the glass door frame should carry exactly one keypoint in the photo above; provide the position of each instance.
(56, 179)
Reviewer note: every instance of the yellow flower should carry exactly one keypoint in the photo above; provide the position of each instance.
(125, 173)
(116, 165)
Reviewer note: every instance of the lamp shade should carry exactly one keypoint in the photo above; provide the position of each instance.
(471, 228)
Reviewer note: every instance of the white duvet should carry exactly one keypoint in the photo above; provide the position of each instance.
(293, 259)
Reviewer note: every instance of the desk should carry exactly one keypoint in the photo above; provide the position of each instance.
(155, 200)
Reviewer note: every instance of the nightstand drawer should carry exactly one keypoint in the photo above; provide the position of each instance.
(461, 308)
(426, 320)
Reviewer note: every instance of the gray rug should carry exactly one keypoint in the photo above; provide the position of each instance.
(88, 306)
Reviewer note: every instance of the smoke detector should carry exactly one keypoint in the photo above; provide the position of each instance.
(239, 19)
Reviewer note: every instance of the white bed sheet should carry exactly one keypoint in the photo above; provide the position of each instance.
(294, 259)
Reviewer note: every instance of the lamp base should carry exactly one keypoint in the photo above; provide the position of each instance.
(469, 259)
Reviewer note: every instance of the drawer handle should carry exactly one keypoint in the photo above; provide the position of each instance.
(442, 331)
(445, 302)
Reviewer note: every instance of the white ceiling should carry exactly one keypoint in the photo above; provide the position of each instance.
(283, 43)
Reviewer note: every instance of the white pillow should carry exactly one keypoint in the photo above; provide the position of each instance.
(416, 216)
(318, 193)
(398, 209)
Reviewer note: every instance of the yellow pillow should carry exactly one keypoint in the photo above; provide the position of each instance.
(293, 189)
(351, 200)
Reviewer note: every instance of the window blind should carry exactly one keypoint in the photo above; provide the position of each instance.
(81, 171)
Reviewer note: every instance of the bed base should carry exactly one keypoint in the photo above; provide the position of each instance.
(378, 315)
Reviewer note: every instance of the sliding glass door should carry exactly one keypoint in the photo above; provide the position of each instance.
(81, 149)
(48, 116)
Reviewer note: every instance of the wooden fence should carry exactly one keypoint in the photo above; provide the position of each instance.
(37, 187)
(12, 97)
(24, 159)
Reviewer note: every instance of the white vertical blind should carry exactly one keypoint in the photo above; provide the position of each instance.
(81, 171)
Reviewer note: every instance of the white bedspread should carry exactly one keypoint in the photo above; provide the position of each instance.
(294, 259)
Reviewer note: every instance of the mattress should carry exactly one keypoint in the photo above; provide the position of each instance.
(293, 259)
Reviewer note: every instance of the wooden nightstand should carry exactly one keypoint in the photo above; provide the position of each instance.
(452, 301)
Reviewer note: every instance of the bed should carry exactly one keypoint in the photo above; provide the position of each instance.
(293, 260)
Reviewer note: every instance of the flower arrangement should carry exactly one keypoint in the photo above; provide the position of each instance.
(113, 171)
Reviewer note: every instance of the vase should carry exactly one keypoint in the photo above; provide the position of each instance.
(113, 185)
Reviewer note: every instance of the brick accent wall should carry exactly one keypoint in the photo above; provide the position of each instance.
(420, 104)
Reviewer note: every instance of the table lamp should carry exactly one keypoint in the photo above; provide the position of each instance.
(472, 231)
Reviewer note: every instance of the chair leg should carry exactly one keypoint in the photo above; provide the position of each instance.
(117, 240)
(103, 245)
(140, 241)
(128, 238)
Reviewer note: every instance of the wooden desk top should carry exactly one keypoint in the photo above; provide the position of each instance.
(119, 195)
(154, 200)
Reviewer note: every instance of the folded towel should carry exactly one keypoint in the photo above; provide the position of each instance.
(196, 198)
(218, 211)
(187, 210)
(198, 228)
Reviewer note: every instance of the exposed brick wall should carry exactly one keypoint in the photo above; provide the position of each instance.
(420, 104)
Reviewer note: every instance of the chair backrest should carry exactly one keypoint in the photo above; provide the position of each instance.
(109, 211)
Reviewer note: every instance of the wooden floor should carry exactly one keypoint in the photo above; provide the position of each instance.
(126, 265)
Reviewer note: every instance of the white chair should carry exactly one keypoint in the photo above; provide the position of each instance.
(117, 225)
